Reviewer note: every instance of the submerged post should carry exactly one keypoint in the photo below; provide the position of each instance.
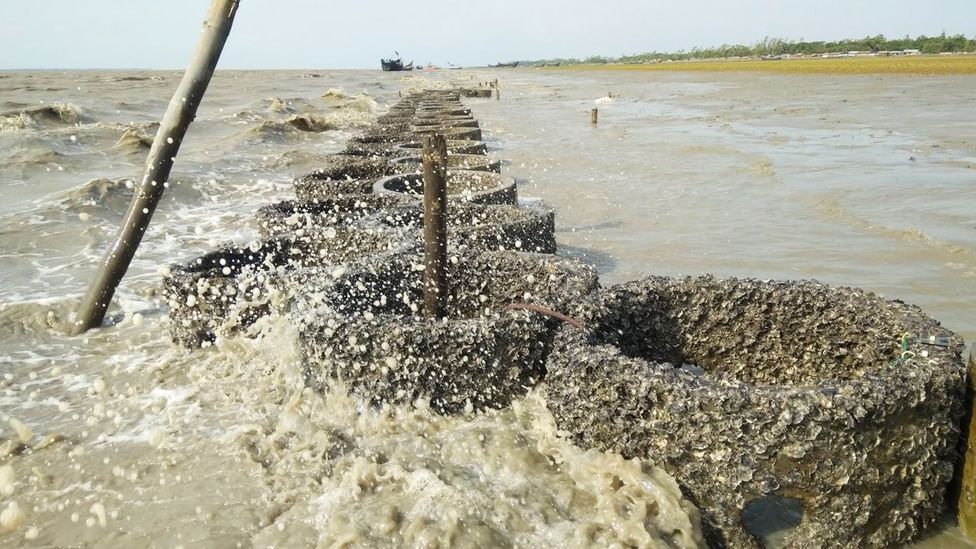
(594, 114)
(435, 226)
(180, 112)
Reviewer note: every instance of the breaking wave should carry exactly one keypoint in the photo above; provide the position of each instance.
(417, 83)
(46, 117)
(272, 105)
(132, 142)
(291, 159)
(341, 472)
(310, 122)
(334, 93)
(280, 119)
(45, 317)
(355, 114)
(269, 131)
(277, 104)
(113, 195)
(337, 98)
(361, 103)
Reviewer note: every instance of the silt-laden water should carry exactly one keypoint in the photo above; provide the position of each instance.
(860, 181)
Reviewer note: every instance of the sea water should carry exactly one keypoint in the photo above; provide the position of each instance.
(120, 438)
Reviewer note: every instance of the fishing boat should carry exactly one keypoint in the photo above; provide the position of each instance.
(395, 64)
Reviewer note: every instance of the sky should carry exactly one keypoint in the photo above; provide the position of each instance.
(295, 34)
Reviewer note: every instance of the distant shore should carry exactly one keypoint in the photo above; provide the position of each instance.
(915, 64)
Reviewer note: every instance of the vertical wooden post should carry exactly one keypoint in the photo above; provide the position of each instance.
(498, 94)
(434, 159)
(967, 480)
(594, 115)
(180, 112)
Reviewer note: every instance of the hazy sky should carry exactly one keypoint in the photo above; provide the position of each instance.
(355, 34)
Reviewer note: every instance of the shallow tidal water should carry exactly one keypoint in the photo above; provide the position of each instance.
(860, 181)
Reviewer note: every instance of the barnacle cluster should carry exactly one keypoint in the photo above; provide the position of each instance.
(233, 281)
(344, 174)
(367, 328)
(346, 216)
(501, 227)
(456, 161)
(747, 389)
(478, 187)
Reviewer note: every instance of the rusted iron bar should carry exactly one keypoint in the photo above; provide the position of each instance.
(546, 311)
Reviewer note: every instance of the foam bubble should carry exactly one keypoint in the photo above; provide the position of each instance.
(12, 517)
(6, 480)
(24, 433)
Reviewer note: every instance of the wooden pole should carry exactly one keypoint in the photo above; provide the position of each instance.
(180, 112)
(594, 115)
(967, 480)
(435, 226)
(498, 94)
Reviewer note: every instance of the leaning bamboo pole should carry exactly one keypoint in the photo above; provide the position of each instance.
(172, 128)
(966, 502)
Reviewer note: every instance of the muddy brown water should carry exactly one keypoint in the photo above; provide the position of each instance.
(862, 181)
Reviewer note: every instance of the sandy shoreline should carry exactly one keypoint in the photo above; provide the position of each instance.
(920, 65)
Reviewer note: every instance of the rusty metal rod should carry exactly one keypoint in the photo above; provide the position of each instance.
(546, 311)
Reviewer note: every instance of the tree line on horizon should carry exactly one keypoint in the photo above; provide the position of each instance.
(779, 46)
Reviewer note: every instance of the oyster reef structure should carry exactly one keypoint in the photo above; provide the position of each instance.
(831, 402)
